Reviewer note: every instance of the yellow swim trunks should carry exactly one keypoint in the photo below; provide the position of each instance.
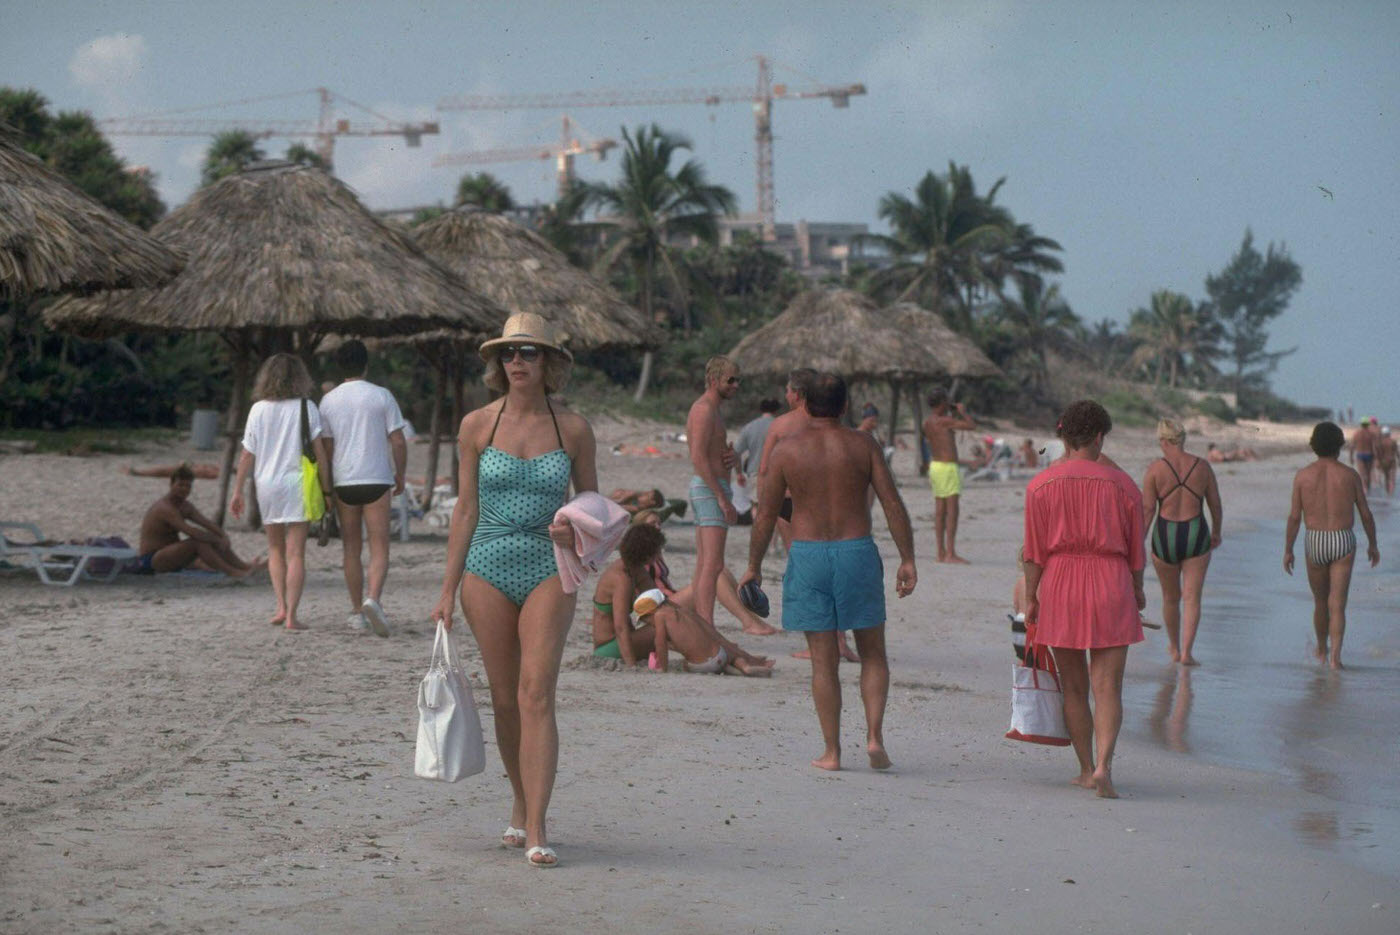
(943, 477)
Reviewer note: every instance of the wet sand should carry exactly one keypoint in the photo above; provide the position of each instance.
(168, 762)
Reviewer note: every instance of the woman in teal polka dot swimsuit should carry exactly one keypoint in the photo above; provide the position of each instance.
(519, 455)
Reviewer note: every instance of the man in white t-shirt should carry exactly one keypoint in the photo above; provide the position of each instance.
(364, 433)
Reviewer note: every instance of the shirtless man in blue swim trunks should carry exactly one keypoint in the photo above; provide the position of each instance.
(1327, 496)
(835, 578)
(711, 500)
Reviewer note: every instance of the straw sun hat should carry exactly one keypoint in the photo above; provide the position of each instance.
(527, 328)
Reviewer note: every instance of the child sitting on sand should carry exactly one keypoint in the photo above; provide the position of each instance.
(673, 625)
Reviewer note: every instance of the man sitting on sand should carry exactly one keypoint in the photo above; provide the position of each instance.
(834, 579)
(1327, 495)
(673, 623)
(205, 545)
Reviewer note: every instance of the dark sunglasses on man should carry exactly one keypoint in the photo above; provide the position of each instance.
(527, 352)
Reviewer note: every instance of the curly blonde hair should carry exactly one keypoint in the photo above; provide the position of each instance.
(557, 369)
(282, 376)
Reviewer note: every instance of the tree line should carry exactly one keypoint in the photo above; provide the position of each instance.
(653, 234)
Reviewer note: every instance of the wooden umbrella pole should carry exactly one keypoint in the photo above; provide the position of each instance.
(435, 439)
(233, 423)
(894, 409)
(458, 404)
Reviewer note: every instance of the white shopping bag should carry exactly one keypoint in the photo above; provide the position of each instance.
(450, 744)
(1037, 707)
(741, 499)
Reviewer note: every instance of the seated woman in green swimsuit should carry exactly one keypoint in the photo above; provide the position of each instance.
(614, 636)
(1178, 488)
(519, 455)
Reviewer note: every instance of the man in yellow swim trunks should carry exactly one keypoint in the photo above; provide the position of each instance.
(944, 419)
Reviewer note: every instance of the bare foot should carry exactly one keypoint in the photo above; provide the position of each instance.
(1174, 653)
(1083, 780)
(847, 653)
(802, 654)
(1103, 786)
(759, 628)
(879, 759)
(1189, 661)
(752, 670)
(1336, 665)
(1320, 655)
(831, 761)
(293, 625)
(278, 618)
(956, 559)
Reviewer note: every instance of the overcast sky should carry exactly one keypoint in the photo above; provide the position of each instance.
(1145, 137)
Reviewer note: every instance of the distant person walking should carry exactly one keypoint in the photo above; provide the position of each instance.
(272, 447)
(1177, 488)
(519, 455)
(1327, 495)
(943, 420)
(1386, 460)
(1363, 451)
(835, 578)
(1083, 561)
(749, 445)
(711, 497)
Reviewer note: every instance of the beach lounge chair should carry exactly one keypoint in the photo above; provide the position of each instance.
(999, 466)
(59, 564)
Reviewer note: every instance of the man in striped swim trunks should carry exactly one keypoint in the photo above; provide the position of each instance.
(1327, 495)
(835, 578)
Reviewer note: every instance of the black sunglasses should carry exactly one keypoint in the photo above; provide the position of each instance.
(526, 352)
(732, 381)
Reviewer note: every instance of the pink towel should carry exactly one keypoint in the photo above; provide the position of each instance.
(598, 527)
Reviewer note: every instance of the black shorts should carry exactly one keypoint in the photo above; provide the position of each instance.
(785, 511)
(361, 494)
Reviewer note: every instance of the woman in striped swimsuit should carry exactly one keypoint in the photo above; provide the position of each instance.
(1178, 488)
(519, 456)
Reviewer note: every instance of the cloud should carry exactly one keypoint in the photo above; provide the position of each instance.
(108, 65)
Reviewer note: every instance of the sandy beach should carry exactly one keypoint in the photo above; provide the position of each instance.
(169, 763)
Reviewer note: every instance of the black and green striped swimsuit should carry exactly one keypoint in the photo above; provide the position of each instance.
(1175, 540)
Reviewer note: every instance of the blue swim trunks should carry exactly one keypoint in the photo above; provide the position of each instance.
(703, 502)
(836, 585)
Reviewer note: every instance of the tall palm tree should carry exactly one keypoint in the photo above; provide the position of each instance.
(1175, 335)
(1039, 321)
(230, 152)
(937, 240)
(651, 206)
(1022, 256)
(484, 191)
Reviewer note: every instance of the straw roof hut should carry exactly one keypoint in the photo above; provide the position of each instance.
(959, 356)
(520, 270)
(286, 248)
(281, 255)
(54, 238)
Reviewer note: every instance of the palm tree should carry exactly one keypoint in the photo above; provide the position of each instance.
(1023, 256)
(485, 192)
(938, 238)
(1040, 321)
(230, 152)
(304, 155)
(651, 206)
(1175, 335)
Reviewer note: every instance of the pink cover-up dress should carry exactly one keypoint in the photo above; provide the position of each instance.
(1084, 528)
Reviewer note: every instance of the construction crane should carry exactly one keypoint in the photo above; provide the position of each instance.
(324, 129)
(562, 153)
(761, 96)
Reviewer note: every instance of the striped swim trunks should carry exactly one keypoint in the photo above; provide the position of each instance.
(1325, 546)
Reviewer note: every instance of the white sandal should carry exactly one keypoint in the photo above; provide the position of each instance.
(513, 836)
(543, 852)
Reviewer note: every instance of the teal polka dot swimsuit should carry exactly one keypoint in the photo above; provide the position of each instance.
(516, 501)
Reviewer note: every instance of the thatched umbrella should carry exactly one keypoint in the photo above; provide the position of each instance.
(279, 256)
(525, 273)
(54, 238)
(842, 331)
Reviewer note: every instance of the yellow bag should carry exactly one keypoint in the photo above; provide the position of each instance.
(313, 501)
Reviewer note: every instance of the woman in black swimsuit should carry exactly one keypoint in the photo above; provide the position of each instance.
(1178, 488)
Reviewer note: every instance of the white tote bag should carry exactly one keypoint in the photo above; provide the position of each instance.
(1037, 707)
(450, 745)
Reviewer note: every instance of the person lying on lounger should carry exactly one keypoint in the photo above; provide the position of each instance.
(204, 545)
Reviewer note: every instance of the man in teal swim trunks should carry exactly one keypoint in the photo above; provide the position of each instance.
(834, 580)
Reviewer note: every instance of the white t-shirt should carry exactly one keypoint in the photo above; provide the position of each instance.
(360, 415)
(273, 437)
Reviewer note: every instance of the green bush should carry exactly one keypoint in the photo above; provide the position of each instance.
(1216, 408)
(1129, 409)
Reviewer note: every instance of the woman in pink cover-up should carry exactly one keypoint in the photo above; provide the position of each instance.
(1083, 561)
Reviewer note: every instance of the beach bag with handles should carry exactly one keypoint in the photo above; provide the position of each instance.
(450, 745)
(1037, 704)
(313, 501)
